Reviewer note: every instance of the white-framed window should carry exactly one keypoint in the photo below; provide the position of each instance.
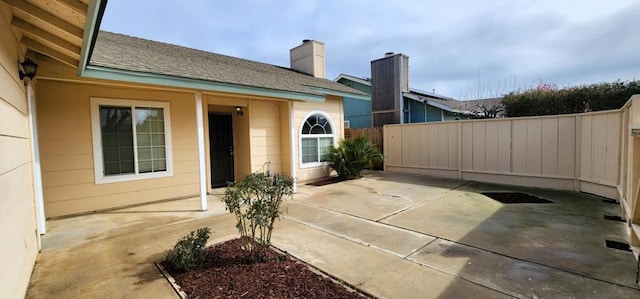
(347, 124)
(131, 140)
(316, 137)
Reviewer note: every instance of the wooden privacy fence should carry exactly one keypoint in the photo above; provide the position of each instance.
(596, 152)
(572, 152)
(376, 136)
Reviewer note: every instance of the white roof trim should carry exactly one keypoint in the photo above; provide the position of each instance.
(430, 94)
(412, 97)
(441, 106)
(352, 78)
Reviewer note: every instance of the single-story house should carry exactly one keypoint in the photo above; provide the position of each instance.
(111, 120)
(392, 101)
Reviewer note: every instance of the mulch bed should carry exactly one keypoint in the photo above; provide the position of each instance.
(229, 273)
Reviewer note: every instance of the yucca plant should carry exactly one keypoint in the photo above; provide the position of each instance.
(352, 156)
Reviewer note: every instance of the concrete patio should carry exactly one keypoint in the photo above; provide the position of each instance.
(390, 235)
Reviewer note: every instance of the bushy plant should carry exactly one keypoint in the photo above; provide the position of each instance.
(352, 156)
(255, 201)
(189, 252)
(547, 99)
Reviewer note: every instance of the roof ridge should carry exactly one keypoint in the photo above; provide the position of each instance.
(196, 50)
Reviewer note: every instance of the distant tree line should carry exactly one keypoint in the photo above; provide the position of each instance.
(547, 99)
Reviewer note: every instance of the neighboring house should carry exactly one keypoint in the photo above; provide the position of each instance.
(122, 120)
(357, 112)
(392, 101)
(423, 106)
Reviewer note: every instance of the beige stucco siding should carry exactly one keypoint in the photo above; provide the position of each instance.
(242, 146)
(333, 108)
(66, 149)
(18, 248)
(285, 137)
(266, 136)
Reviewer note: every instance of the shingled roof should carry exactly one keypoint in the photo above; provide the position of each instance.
(122, 52)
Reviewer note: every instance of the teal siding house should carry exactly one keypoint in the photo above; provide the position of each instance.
(417, 106)
(421, 106)
(392, 101)
(357, 112)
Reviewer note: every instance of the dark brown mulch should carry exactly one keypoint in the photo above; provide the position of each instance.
(228, 273)
(327, 181)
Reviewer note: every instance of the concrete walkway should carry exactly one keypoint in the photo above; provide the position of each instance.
(392, 236)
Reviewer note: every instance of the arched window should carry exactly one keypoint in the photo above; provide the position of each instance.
(316, 137)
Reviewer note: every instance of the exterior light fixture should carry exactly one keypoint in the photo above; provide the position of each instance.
(239, 110)
(28, 69)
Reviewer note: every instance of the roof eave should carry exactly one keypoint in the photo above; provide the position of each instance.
(430, 94)
(92, 23)
(339, 93)
(352, 78)
(106, 73)
(412, 97)
(441, 106)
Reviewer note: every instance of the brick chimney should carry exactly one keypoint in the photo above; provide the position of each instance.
(389, 79)
(309, 58)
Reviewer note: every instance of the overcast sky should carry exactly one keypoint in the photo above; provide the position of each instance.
(460, 48)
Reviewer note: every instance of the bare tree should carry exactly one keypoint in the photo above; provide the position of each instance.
(485, 108)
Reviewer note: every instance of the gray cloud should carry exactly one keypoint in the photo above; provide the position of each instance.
(458, 47)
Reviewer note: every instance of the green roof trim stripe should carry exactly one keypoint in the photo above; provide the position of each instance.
(94, 12)
(98, 72)
(340, 93)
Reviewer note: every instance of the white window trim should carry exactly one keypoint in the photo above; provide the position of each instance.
(100, 178)
(333, 129)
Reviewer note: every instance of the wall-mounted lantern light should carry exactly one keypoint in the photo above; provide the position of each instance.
(28, 69)
(239, 111)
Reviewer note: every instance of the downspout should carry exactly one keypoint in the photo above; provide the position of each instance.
(425, 112)
(201, 155)
(35, 166)
(293, 147)
(400, 91)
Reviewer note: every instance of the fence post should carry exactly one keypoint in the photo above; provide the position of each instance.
(459, 166)
(578, 154)
(384, 149)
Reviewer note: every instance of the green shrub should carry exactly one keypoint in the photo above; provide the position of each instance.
(547, 99)
(352, 156)
(255, 201)
(189, 252)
